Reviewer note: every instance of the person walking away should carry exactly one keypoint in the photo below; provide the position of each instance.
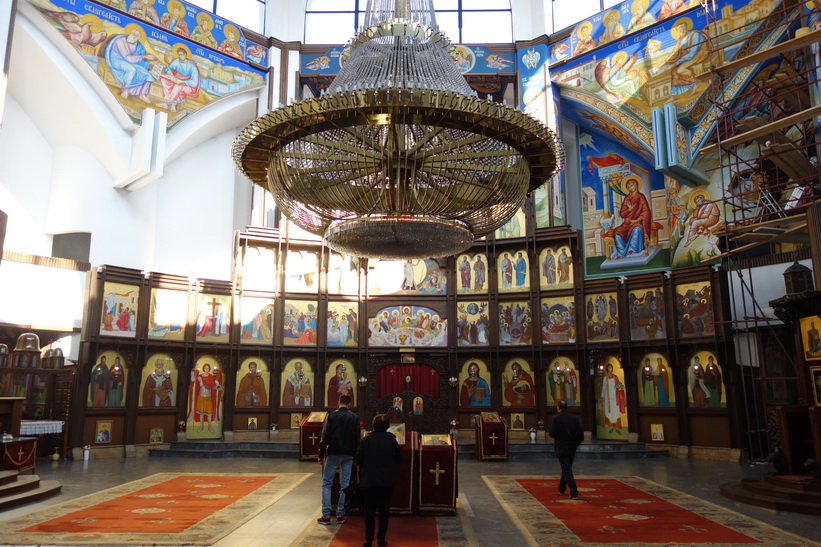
(377, 457)
(567, 434)
(337, 448)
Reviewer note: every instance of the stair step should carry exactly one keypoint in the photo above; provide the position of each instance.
(805, 484)
(23, 483)
(8, 476)
(738, 491)
(778, 491)
(44, 490)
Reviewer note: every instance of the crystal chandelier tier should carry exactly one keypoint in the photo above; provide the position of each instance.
(398, 158)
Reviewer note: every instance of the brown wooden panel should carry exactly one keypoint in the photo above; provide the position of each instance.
(710, 430)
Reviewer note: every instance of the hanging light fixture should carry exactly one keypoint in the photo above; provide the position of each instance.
(398, 158)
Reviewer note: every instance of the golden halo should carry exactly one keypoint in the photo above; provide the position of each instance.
(619, 58)
(633, 178)
(586, 25)
(180, 45)
(612, 14)
(230, 28)
(203, 16)
(639, 3)
(96, 24)
(134, 26)
(688, 24)
(694, 195)
(175, 4)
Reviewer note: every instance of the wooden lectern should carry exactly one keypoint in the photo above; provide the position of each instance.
(491, 437)
(310, 433)
(438, 474)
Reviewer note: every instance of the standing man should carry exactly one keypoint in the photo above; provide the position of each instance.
(340, 437)
(567, 434)
(377, 457)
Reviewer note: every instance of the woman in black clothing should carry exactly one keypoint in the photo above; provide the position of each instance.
(377, 457)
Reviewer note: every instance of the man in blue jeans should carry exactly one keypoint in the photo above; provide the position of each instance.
(340, 437)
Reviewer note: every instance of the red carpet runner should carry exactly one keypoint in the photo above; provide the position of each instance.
(615, 512)
(407, 531)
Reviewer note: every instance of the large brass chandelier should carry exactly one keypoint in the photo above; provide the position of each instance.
(398, 158)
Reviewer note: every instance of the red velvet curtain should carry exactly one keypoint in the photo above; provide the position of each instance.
(391, 379)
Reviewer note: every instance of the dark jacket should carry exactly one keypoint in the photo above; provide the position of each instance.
(567, 432)
(377, 458)
(340, 434)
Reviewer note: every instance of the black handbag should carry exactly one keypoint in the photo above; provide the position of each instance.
(353, 498)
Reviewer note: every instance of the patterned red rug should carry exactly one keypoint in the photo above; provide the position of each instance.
(625, 510)
(163, 509)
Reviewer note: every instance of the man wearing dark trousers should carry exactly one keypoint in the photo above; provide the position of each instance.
(340, 437)
(377, 458)
(567, 434)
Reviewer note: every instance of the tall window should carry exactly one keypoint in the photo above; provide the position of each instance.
(246, 13)
(462, 21)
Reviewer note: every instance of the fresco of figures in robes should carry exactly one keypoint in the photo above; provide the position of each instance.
(302, 272)
(253, 379)
(601, 317)
(472, 324)
(213, 318)
(167, 316)
(518, 388)
(412, 276)
(694, 310)
(343, 274)
(562, 382)
(611, 400)
(513, 271)
(705, 387)
(406, 326)
(109, 376)
(555, 268)
(158, 382)
(299, 323)
(474, 379)
(257, 319)
(515, 227)
(810, 337)
(558, 320)
(297, 384)
(515, 323)
(120, 306)
(342, 380)
(472, 274)
(655, 381)
(205, 399)
(646, 308)
(342, 324)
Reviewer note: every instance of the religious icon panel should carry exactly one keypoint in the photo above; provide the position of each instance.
(297, 384)
(167, 315)
(472, 271)
(562, 382)
(473, 324)
(259, 269)
(341, 381)
(694, 310)
(158, 386)
(655, 382)
(299, 323)
(257, 318)
(611, 404)
(253, 379)
(601, 315)
(646, 307)
(704, 382)
(473, 378)
(213, 318)
(417, 276)
(205, 399)
(342, 324)
(119, 314)
(302, 272)
(343, 274)
(517, 382)
(558, 320)
(555, 268)
(407, 326)
(515, 227)
(108, 379)
(810, 337)
(513, 271)
(515, 323)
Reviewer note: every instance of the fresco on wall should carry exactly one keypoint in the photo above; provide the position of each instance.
(513, 271)
(562, 382)
(343, 274)
(473, 324)
(515, 323)
(555, 268)
(694, 310)
(405, 326)
(407, 277)
(257, 320)
(253, 379)
(342, 380)
(297, 384)
(515, 227)
(301, 272)
(601, 315)
(342, 324)
(119, 314)
(167, 315)
(705, 388)
(472, 271)
(148, 66)
(611, 402)
(259, 269)
(646, 310)
(655, 381)
(474, 378)
(109, 376)
(810, 337)
(158, 384)
(213, 318)
(517, 384)
(299, 323)
(558, 320)
(205, 399)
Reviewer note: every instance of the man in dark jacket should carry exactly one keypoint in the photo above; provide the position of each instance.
(567, 433)
(340, 437)
(377, 458)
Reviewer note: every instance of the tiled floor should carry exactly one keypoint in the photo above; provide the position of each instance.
(283, 522)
